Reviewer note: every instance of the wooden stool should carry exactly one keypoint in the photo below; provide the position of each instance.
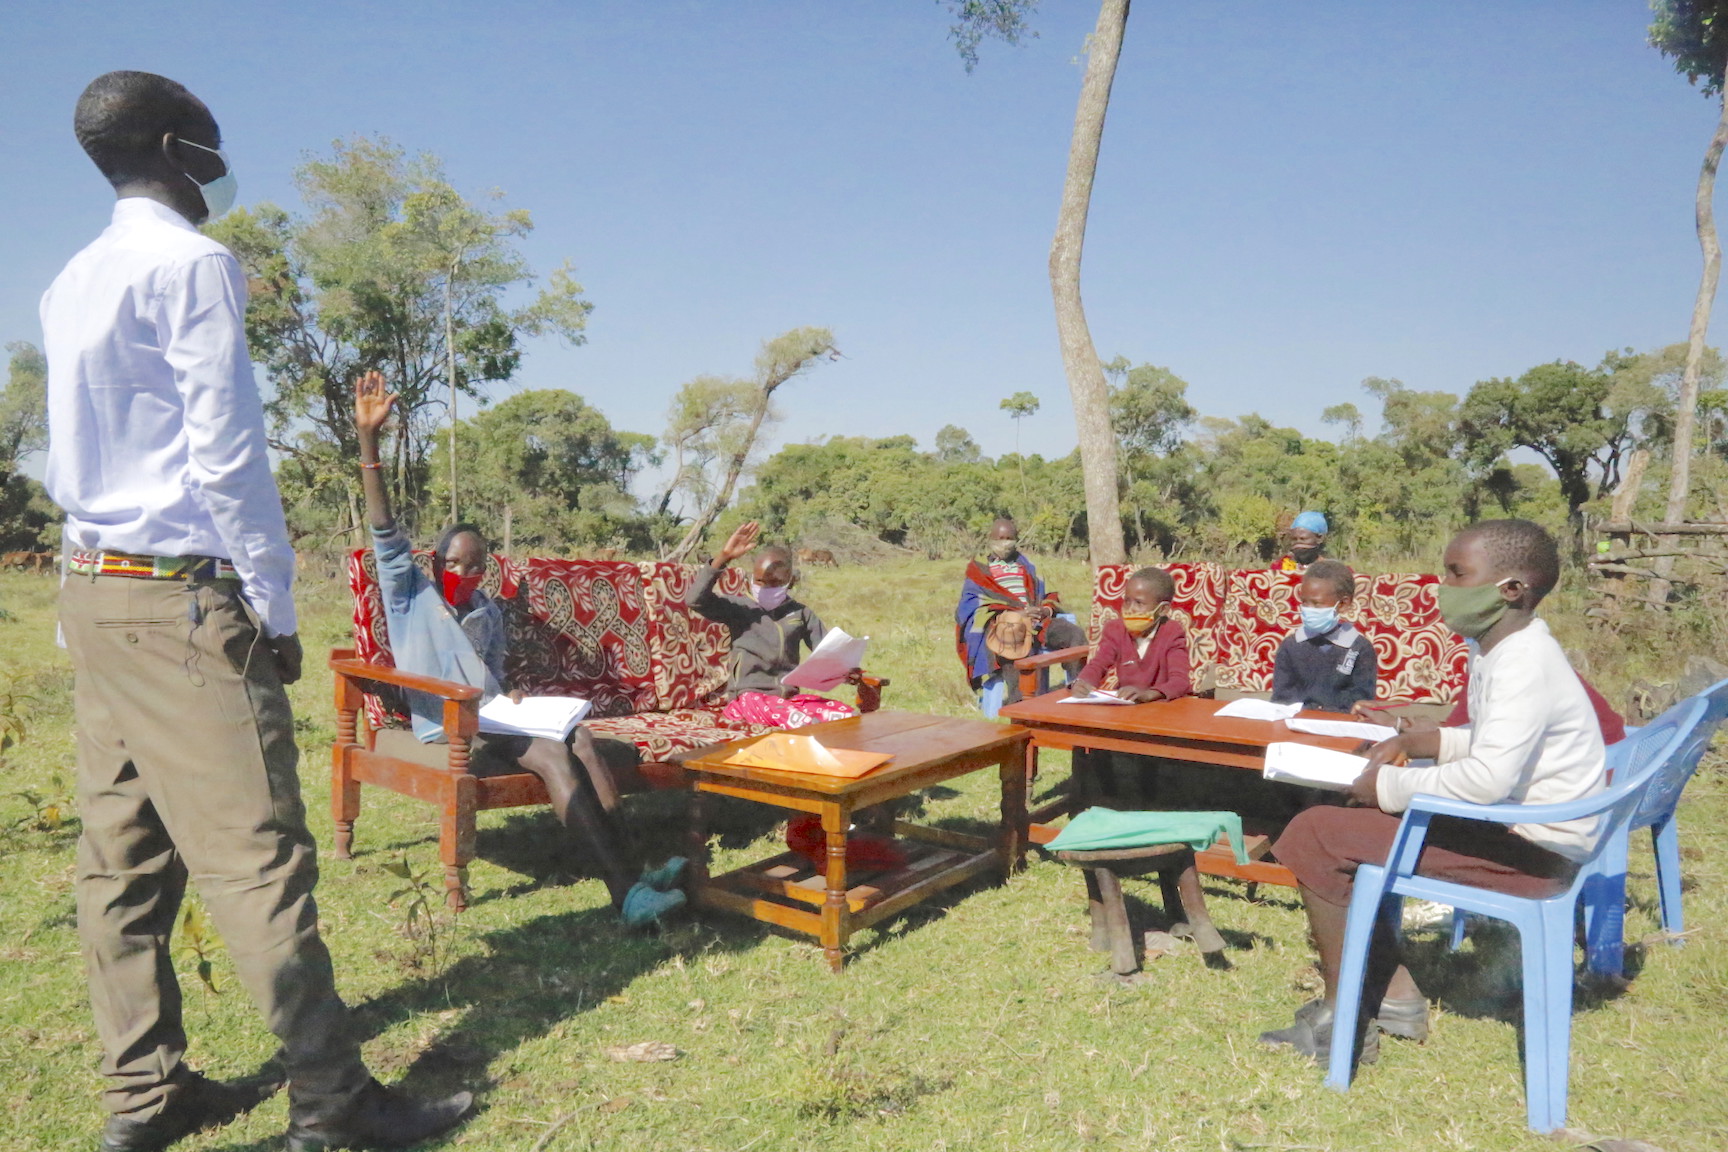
(1178, 880)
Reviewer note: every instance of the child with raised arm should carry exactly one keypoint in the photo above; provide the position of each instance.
(768, 633)
(1325, 664)
(1533, 738)
(448, 628)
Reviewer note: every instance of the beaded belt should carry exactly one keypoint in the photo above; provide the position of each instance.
(151, 567)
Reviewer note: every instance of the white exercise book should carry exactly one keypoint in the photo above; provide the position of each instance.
(543, 717)
(1249, 708)
(1348, 729)
(1315, 767)
(1102, 696)
(829, 663)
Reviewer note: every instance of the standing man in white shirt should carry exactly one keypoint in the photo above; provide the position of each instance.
(1533, 738)
(179, 616)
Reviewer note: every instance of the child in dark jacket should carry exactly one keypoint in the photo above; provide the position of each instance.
(1325, 664)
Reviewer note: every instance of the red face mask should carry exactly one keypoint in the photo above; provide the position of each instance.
(458, 589)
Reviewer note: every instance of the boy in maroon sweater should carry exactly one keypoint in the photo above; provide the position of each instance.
(1147, 649)
(1149, 653)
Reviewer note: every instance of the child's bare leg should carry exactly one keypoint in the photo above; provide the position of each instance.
(577, 808)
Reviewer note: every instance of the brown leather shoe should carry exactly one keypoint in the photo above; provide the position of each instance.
(199, 1103)
(379, 1118)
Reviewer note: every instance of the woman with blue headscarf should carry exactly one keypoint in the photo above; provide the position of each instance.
(1307, 542)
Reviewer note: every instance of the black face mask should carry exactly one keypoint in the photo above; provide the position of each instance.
(1305, 554)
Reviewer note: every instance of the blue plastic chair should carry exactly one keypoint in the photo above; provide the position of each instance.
(1544, 926)
(1606, 908)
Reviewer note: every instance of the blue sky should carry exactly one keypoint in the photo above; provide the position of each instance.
(1292, 196)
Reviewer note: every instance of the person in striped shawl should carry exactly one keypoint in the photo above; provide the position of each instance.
(1006, 613)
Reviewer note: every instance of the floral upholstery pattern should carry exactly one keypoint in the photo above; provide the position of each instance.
(1236, 620)
(661, 735)
(616, 633)
(690, 651)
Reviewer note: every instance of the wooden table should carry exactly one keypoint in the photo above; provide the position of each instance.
(1184, 729)
(786, 891)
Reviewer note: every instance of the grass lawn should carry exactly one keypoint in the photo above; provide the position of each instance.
(976, 1023)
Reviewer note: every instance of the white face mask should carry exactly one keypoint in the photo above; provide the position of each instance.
(219, 193)
(771, 596)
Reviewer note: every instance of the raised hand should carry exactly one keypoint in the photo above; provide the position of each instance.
(373, 403)
(740, 542)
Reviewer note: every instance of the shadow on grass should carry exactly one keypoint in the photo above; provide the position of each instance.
(526, 980)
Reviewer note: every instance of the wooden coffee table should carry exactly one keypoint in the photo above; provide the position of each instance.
(786, 891)
(1184, 729)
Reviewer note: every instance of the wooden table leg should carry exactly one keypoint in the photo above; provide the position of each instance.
(697, 839)
(1014, 817)
(835, 915)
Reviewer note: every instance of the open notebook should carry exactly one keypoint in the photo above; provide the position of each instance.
(1315, 767)
(543, 717)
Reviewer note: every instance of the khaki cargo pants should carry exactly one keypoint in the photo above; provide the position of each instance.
(187, 768)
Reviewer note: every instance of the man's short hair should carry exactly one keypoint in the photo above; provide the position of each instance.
(1334, 573)
(122, 117)
(448, 537)
(773, 552)
(1521, 548)
(1158, 579)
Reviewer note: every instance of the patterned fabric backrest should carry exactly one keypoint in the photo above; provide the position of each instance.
(690, 651)
(1419, 658)
(581, 629)
(1198, 605)
(1236, 620)
(384, 709)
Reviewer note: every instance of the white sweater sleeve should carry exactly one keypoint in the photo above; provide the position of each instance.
(1487, 762)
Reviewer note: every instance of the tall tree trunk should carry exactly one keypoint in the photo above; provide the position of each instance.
(1079, 356)
(723, 495)
(1685, 413)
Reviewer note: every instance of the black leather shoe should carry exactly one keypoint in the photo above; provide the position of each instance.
(1311, 1035)
(380, 1118)
(199, 1103)
(1407, 1019)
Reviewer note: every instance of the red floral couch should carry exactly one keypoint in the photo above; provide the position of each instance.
(1236, 618)
(615, 633)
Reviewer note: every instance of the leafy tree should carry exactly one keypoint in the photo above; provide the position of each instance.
(23, 405)
(1148, 407)
(1562, 412)
(705, 424)
(1019, 406)
(976, 20)
(27, 517)
(553, 469)
(391, 268)
(1694, 34)
(781, 359)
(954, 445)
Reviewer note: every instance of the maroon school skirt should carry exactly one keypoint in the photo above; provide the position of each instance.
(1323, 845)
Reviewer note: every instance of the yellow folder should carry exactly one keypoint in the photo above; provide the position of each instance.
(790, 752)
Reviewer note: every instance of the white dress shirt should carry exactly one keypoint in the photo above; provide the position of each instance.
(1533, 738)
(156, 436)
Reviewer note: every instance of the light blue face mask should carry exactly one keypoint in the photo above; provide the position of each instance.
(1319, 621)
(219, 194)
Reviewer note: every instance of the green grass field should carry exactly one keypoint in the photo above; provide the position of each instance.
(976, 1023)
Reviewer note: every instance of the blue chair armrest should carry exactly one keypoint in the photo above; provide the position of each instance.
(1516, 813)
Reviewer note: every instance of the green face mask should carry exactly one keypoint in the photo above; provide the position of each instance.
(1470, 612)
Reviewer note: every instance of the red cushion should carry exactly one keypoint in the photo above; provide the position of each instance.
(690, 651)
(661, 735)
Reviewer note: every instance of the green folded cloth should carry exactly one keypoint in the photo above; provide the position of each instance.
(1101, 829)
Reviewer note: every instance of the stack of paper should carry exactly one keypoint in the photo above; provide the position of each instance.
(1346, 728)
(1315, 767)
(829, 663)
(790, 752)
(543, 717)
(1249, 708)
(1101, 696)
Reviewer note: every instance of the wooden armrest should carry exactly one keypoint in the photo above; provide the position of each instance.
(1047, 659)
(356, 669)
(875, 681)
